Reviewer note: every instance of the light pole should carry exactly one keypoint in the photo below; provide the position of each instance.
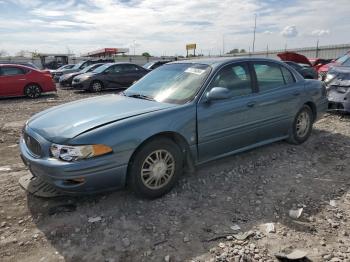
(254, 32)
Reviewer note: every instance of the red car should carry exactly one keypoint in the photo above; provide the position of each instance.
(19, 80)
(318, 64)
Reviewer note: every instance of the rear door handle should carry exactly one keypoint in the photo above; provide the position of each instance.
(251, 104)
(296, 93)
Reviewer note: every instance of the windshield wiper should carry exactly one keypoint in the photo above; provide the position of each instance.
(142, 97)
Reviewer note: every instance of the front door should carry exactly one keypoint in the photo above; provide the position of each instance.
(229, 124)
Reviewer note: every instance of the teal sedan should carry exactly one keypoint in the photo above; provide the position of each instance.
(178, 116)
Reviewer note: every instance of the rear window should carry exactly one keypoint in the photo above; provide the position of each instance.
(269, 76)
(288, 76)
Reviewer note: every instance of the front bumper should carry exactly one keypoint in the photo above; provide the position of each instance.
(65, 83)
(338, 101)
(84, 85)
(80, 177)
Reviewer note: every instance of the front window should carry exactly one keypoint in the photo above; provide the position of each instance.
(172, 83)
(236, 78)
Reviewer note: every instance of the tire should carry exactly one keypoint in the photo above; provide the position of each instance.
(96, 86)
(302, 126)
(32, 91)
(155, 168)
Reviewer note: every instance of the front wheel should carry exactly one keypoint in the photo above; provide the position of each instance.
(302, 126)
(96, 86)
(155, 168)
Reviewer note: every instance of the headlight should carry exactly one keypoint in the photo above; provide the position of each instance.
(329, 77)
(73, 153)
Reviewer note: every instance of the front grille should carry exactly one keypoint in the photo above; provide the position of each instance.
(32, 144)
(335, 106)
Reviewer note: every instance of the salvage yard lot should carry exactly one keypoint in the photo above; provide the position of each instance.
(199, 220)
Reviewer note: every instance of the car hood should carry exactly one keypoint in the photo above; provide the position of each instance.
(66, 76)
(58, 124)
(294, 57)
(85, 75)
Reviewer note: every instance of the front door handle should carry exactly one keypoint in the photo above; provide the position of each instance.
(296, 93)
(251, 104)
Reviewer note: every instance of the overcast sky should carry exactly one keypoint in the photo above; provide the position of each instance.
(164, 27)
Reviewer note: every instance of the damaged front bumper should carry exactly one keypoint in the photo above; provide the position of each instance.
(339, 98)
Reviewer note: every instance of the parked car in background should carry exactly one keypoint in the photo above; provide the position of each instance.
(343, 61)
(317, 63)
(66, 79)
(299, 63)
(64, 67)
(111, 75)
(155, 64)
(338, 88)
(81, 66)
(18, 80)
(182, 114)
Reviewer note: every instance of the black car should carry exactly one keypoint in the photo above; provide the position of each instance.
(306, 71)
(66, 80)
(111, 75)
(155, 64)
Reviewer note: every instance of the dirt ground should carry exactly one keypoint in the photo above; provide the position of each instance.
(234, 209)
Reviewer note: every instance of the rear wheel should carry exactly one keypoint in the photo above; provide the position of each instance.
(155, 168)
(96, 86)
(302, 126)
(32, 91)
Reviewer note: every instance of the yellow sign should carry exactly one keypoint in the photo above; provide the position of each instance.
(191, 46)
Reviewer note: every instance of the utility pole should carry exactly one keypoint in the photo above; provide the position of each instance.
(254, 32)
(134, 46)
(317, 47)
(223, 45)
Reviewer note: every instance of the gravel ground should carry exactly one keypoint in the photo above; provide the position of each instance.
(234, 209)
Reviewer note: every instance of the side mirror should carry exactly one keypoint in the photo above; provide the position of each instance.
(218, 93)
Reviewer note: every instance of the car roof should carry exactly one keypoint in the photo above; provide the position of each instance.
(19, 65)
(218, 61)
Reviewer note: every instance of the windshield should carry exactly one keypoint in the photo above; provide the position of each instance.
(344, 60)
(77, 66)
(102, 68)
(172, 83)
(147, 65)
(90, 68)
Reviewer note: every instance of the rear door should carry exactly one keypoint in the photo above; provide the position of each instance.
(114, 76)
(229, 124)
(132, 73)
(278, 100)
(12, 80)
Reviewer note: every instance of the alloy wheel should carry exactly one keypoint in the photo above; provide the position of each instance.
(157, 169)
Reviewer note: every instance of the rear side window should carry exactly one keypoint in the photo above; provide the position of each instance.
(130, 68)
(269, 76)
(11, 71)
(236, 78)
(288, 76)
